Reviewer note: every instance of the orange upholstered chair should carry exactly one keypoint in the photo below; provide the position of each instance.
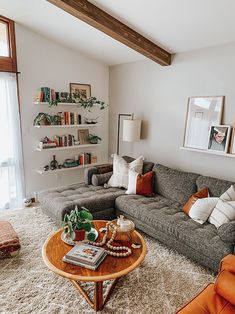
(217, 298)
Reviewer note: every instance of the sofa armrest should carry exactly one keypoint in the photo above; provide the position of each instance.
(88, 173)
(225, 286)
(226, 232)
(101, 179)
(228, 263)
(102, 169)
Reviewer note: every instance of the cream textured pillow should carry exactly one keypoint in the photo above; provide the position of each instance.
(202, 208)
(224, 211)
(121, 169)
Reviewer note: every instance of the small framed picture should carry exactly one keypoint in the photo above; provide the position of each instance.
(83, 89)
(219, 138)
(232, 148)
(83, 136)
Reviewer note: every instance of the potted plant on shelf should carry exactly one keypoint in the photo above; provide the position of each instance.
(77, 223)
(94, 139)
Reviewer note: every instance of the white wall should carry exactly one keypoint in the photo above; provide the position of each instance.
(158, 96)
(45, 63)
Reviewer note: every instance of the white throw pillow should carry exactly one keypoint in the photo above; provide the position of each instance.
(224, 211)
(202, 208)
(132, 178)
(229, 195)
(121, 169)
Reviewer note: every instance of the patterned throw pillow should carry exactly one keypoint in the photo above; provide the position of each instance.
(121, 169)
(9, 241)
(224, 210)
(140, 184)
(200, 194)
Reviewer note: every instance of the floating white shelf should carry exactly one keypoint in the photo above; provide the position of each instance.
(67, 169)
(67, 147)
(208, 152)
(68, 126)
(61, 104)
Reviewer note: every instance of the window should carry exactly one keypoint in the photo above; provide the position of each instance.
(7, 45)
(4, 43)
(11, 161)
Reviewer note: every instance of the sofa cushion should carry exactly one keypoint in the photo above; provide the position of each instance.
(216, 186)
(174, 184)
(147, 166)
(133, 204)
(57, 202)
(166, 217)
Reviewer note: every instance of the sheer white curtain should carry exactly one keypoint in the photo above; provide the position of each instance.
(11, 162)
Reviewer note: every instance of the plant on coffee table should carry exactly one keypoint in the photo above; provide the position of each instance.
(77, 223)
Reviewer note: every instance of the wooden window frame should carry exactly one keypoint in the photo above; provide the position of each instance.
(9, 64)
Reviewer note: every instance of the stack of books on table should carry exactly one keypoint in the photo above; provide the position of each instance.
(85, 255)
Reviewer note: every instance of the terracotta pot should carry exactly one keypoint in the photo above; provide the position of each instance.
(79, 235)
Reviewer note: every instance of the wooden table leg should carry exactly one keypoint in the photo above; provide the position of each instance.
(99, 301)
(98, 296)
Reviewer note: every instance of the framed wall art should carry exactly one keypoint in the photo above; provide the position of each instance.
(83, 89)
(83, 136)
(219, 137)
(201, 114)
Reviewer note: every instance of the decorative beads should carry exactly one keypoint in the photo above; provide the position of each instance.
(108, 244)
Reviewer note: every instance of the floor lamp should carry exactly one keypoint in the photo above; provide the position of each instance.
(131, 129)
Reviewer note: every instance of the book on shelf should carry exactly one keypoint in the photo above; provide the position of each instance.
(46, 94)
(38, 96)
(81, 159)
(53, 96)
(71, 118)
(85, 255)
(79, 119)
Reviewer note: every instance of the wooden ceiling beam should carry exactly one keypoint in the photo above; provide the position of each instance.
(94, 16)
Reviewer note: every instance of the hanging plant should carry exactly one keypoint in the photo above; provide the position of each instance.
(77, 99)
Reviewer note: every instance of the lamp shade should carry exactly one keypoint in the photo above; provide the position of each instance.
(131, 130)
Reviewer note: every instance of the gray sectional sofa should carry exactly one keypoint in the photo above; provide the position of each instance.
(160, 216)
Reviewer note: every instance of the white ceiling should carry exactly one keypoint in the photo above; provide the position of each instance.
(178, 26)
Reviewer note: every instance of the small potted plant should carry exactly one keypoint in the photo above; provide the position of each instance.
(77, 223)
(94, 139)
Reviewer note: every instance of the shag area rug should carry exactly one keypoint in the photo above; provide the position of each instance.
(162, 284)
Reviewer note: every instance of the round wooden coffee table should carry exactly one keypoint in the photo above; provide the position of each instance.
(112, 268)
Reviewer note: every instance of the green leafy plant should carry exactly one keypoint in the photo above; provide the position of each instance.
(94, 139)
(78, 99)
(47, 119)
(78, 220)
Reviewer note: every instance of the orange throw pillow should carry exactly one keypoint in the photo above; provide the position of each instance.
(140, 184)
(200, 194)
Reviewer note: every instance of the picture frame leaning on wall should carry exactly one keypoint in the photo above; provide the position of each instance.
(202, 112)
